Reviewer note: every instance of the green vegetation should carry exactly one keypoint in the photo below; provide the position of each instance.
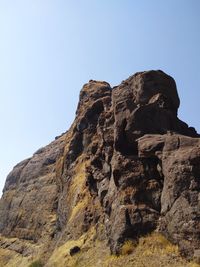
(36, 263)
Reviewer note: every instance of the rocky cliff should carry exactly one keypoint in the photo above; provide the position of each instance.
(127, 167)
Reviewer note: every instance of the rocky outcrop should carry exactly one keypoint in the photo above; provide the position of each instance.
(179, 161)
(126, 167)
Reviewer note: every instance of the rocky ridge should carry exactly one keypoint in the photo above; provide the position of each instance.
(126, 167)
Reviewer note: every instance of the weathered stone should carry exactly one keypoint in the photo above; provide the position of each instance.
(127, 162)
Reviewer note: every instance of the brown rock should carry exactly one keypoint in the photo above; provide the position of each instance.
(127, 162)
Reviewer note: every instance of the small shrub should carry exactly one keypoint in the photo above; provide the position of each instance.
(36, 263)
(128, 247)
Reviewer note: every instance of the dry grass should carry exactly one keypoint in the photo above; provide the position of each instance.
(10, 258)
(59, 167)
(78, 195)
(192, 264)
(61, 255)
(157, 244)
(128, 247)
(151, 251)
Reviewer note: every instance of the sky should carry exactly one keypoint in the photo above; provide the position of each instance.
(50, 48)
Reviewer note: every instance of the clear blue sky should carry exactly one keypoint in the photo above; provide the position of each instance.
(50, 48)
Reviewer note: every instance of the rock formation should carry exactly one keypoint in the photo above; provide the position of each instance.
(126, 167)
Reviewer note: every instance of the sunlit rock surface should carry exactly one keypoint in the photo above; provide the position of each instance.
(126, 167)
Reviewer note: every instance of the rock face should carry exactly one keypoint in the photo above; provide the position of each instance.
(127, 166)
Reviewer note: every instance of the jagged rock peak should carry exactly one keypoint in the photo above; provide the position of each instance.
(145, 87)
(91, 92)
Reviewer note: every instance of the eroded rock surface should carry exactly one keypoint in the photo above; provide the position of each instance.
(126, 167)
